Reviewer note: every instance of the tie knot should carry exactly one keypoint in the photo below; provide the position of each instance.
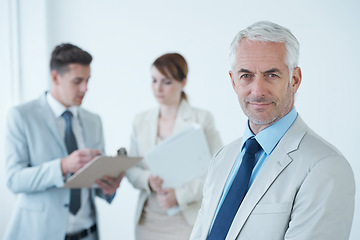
(252, 146)
(67, 115)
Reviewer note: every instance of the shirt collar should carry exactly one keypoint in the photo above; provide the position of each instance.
(270, 136)
(58, 109)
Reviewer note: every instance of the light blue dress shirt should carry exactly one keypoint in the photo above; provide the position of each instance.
(268, 139)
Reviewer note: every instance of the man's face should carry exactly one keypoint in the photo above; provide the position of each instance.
(70, 87)
(261, 81)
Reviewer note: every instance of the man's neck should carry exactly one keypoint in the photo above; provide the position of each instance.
(57, 98)
(256, 128)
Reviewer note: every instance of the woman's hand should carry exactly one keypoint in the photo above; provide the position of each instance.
(166, 198)
(155, 183)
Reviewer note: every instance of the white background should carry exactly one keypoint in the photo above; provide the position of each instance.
(126, 36)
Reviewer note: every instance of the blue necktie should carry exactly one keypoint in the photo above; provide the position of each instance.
(236, 193)
(71, 145)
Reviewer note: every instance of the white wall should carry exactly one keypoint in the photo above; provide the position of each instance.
(6, 198)
(126, 36)
(23, 72)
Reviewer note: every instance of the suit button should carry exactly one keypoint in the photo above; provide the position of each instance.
(66, 205)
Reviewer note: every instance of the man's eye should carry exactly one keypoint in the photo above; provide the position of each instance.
(245, 76)
(272, 75)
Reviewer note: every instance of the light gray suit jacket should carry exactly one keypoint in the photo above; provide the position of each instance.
(144, 138)
(305, 191)
(33, 153)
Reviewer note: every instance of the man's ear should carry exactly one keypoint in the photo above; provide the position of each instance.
(54, 76)
(232, 79)
(296, 79)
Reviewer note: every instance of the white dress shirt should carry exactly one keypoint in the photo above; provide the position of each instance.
(85, 217)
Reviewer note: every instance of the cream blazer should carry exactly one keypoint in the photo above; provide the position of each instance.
(305, 190)
(143, 139)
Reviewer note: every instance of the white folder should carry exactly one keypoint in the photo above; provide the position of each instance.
(180, 158)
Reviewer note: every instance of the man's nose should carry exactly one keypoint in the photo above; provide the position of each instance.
(84, 87)
(259, 86)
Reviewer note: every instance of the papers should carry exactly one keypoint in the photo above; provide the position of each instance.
(180, 158)
(98, 168)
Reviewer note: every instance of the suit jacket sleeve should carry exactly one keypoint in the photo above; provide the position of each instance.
(192, 192)
(22, 175)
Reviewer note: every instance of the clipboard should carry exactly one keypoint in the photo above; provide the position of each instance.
(98, 168)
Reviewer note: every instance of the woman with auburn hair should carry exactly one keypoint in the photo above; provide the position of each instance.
(174, 113)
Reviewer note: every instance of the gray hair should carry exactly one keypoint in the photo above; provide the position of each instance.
(265, 31)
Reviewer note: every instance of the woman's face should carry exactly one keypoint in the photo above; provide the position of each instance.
(166, 90)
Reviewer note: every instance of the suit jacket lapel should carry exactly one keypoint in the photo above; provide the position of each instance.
(86, 126)
(152, 128)
(49, 120)
(273, 167)
(183, 118)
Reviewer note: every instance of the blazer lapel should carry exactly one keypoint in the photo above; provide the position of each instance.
(86, 126)
(183, 118)
(153, 128)
(273, 167)
(49, 119)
